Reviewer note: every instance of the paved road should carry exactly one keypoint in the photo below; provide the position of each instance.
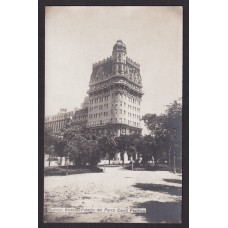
(159, 192)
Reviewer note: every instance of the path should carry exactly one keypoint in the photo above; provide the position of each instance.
(159, 192)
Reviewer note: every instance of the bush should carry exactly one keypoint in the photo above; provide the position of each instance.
(62, 170)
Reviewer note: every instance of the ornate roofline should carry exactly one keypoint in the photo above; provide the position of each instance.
(135, 64)
(96, 64)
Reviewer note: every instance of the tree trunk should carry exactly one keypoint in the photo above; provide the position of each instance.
(49, 163)
(155, 160)
(78, 162)
(145, 159)
(169, 155)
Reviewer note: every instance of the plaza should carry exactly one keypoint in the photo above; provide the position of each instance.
(118, 189)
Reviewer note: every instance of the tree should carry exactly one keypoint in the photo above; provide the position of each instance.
(107, 145)
(144, 147)
(165, 131)
(95, 153)
(78, 150)
(173, 124)
(60, 148)
(122, 144)
(132, 144)
(79, 142)
(153, 143)
(49, 142)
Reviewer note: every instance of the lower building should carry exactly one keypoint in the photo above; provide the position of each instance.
(56, 122)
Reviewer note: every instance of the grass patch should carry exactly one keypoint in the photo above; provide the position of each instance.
(62, 170)
(151, 167)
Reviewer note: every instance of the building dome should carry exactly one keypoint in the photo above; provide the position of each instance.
(119, 45)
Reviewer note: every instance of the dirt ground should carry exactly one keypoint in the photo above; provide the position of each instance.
(117, 188)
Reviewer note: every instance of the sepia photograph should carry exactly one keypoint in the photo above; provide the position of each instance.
(112, 141)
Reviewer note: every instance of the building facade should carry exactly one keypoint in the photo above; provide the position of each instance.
(114, 96)
(115, 93)
(56, 122)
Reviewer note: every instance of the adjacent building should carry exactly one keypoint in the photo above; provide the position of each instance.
(114, 96)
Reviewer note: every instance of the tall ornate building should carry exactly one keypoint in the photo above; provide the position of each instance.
(115, 93)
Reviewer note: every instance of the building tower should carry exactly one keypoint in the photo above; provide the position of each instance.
(115, 93)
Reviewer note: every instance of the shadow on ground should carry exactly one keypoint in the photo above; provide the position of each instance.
(176, 181)
(161, 212)
(171, 190)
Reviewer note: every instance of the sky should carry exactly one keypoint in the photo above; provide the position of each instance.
(76, 37)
